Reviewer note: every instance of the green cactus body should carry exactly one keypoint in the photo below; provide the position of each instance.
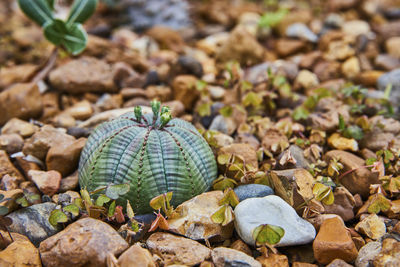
(153, 157)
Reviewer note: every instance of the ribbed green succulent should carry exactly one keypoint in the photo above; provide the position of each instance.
(153, 153)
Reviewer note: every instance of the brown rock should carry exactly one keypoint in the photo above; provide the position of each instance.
(11, 196)
(358, 181)
(389, 255)
(11, 143)
(369, 77)
(287, 47)
(161, 92)
(387, 62)
(274, 141)
(242, 47)
(392, 46)
(222, 257)
(47, 137)
(192, 218)
(9, 182)
(339, 263)
(317, 220)
(303, 264)
(136, 256)
(388, 29)
(178, 250)
(69, 183)
(241, 246)
(327, 70)
(343, 204)
(65, 156)
(86, 242)
(47, 182)
(184, 90)
(326, 115)
(294, 186)
(20, 253)
(22, 100)
(16, 74)
(333, 241)
(17, 126)
(243, 150)
(372, 227)
(377, 140)
(274, 260)
(83, 75)
(80, 111)
(167, 38)
(6, 167)
(336, 5)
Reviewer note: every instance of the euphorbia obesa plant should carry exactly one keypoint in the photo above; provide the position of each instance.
(68, 34)
(153, 153)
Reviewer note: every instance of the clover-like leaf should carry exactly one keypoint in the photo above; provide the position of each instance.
(204, 109)
(96, 211)
(72, 37)
(323, 193)
(378, 203)
(72, 208)
(252, 99)
(3, 210)
(223, 182)
(223, 159)
(115, 191)
(57, 216)
(268, 234)
(224, 215)
(81, 10)
(162, 202)
(102, 199)
(37, 10)
(229, 198)
(22, 201)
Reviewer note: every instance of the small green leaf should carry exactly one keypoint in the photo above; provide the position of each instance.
(161, 201)
(102, 199)
(74, 209)
(51, 4)
(342, 124)
(129, 210)
(201, 85)
(223, 216)
(111, 209)
(223, 159)
(271, 19)
(86, 197)
(268, 234)
(226, 111)
(3, 210)
(223, 182)
(229, 198)
(155, 107)
(37, 10)
(115, 191)
(323, 193)
(353, 131)
(204, 109)
(378, 203)
(81, 10)
(22, 201)
(252, 99)
(57, 216)
(73, 38)
(300, 113)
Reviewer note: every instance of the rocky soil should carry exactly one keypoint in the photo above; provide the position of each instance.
(303, 94)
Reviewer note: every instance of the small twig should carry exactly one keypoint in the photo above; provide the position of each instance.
(352, 170)
(46, 67)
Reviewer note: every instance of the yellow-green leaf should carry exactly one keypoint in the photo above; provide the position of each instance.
(268, 234)
(223, 216)
(229, 198)
(57, 216)
(129, 210)
(74, 209)
(323, 193)
(379, 203)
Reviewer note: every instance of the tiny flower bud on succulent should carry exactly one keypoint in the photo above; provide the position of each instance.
(165, 118)
(165, 109)
(138, 113)
(155, 106)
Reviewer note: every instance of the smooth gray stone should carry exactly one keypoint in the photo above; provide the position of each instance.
(252, 190)
(33, 222)
(391, 77)
(272, 210)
